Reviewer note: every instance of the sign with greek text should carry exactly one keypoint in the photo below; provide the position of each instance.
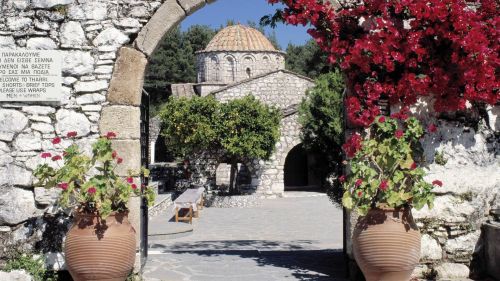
(30, 75)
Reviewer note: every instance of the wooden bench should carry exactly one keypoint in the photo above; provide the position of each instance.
(191, 199)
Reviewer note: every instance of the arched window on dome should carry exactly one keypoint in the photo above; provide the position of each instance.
(248, 64)
(231, 69)
(213, 69)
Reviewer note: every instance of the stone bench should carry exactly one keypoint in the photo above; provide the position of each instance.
(191, 199)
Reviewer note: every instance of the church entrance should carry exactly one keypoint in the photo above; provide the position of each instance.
(296, 168)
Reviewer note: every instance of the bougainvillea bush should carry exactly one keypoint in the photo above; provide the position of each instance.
(402, 50)
(384, 167)
(90, 184)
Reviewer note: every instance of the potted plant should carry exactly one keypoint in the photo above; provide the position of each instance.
(101, 243)
(384, 184)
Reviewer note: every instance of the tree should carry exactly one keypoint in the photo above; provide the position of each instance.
(250, 130)
(172, 62)
(238, 130)
(308, 59)
(321, 117)
(190, 126)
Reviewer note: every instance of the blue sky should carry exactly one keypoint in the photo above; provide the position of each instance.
(218, 13)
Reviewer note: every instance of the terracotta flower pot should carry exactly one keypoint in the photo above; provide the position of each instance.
(97, 250)
(386, 244)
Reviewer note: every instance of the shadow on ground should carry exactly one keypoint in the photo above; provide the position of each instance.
(301, 262)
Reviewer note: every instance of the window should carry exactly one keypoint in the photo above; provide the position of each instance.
(231, 65)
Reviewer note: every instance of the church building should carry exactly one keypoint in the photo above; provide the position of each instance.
(240, 61)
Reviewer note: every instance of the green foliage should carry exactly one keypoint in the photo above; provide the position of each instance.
(190, 125)
(240, 129)
(308, 60)
(383, 170)
(249, 129)
(174, 60)
(321, 117)
(35, 266)
(90, 183)
(439, 158)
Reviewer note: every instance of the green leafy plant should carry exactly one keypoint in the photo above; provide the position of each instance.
(35, 266)
(384, 167)
(90, 183)
(439, 158)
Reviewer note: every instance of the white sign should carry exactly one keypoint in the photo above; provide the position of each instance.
(30, 75)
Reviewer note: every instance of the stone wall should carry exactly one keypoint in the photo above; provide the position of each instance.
(452, 243)
(280, 88)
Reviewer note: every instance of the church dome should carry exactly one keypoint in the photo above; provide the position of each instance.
(239, 38)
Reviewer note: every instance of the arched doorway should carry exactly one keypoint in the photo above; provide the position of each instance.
(296, 168)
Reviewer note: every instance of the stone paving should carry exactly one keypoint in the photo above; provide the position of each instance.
(294, 238)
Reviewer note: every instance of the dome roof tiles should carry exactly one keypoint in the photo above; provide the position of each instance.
(239, 38)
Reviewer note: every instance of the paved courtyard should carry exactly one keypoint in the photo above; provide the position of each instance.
(292, 238)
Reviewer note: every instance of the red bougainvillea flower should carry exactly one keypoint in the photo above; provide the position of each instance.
(432, 128)
(111, 135)
(399, 134)
(56, 140)
(119, 160)
(342, 179)
(57, 157)
(358, 182)
(91, 190)
(360, 193)
(63, 185)
(438, 183)
(353, 145)
(413, 166)
(384, 185)
(114, 154)
(130, 180)
(381, 119)
(134, 186)
(71, 134)
(46, 155)
(404, 50)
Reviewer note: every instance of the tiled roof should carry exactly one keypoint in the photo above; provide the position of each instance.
(239, 38)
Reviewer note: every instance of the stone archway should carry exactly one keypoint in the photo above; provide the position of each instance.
(122, 112)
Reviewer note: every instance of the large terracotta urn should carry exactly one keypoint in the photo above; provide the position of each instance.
(386, 244)
(100, 250)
